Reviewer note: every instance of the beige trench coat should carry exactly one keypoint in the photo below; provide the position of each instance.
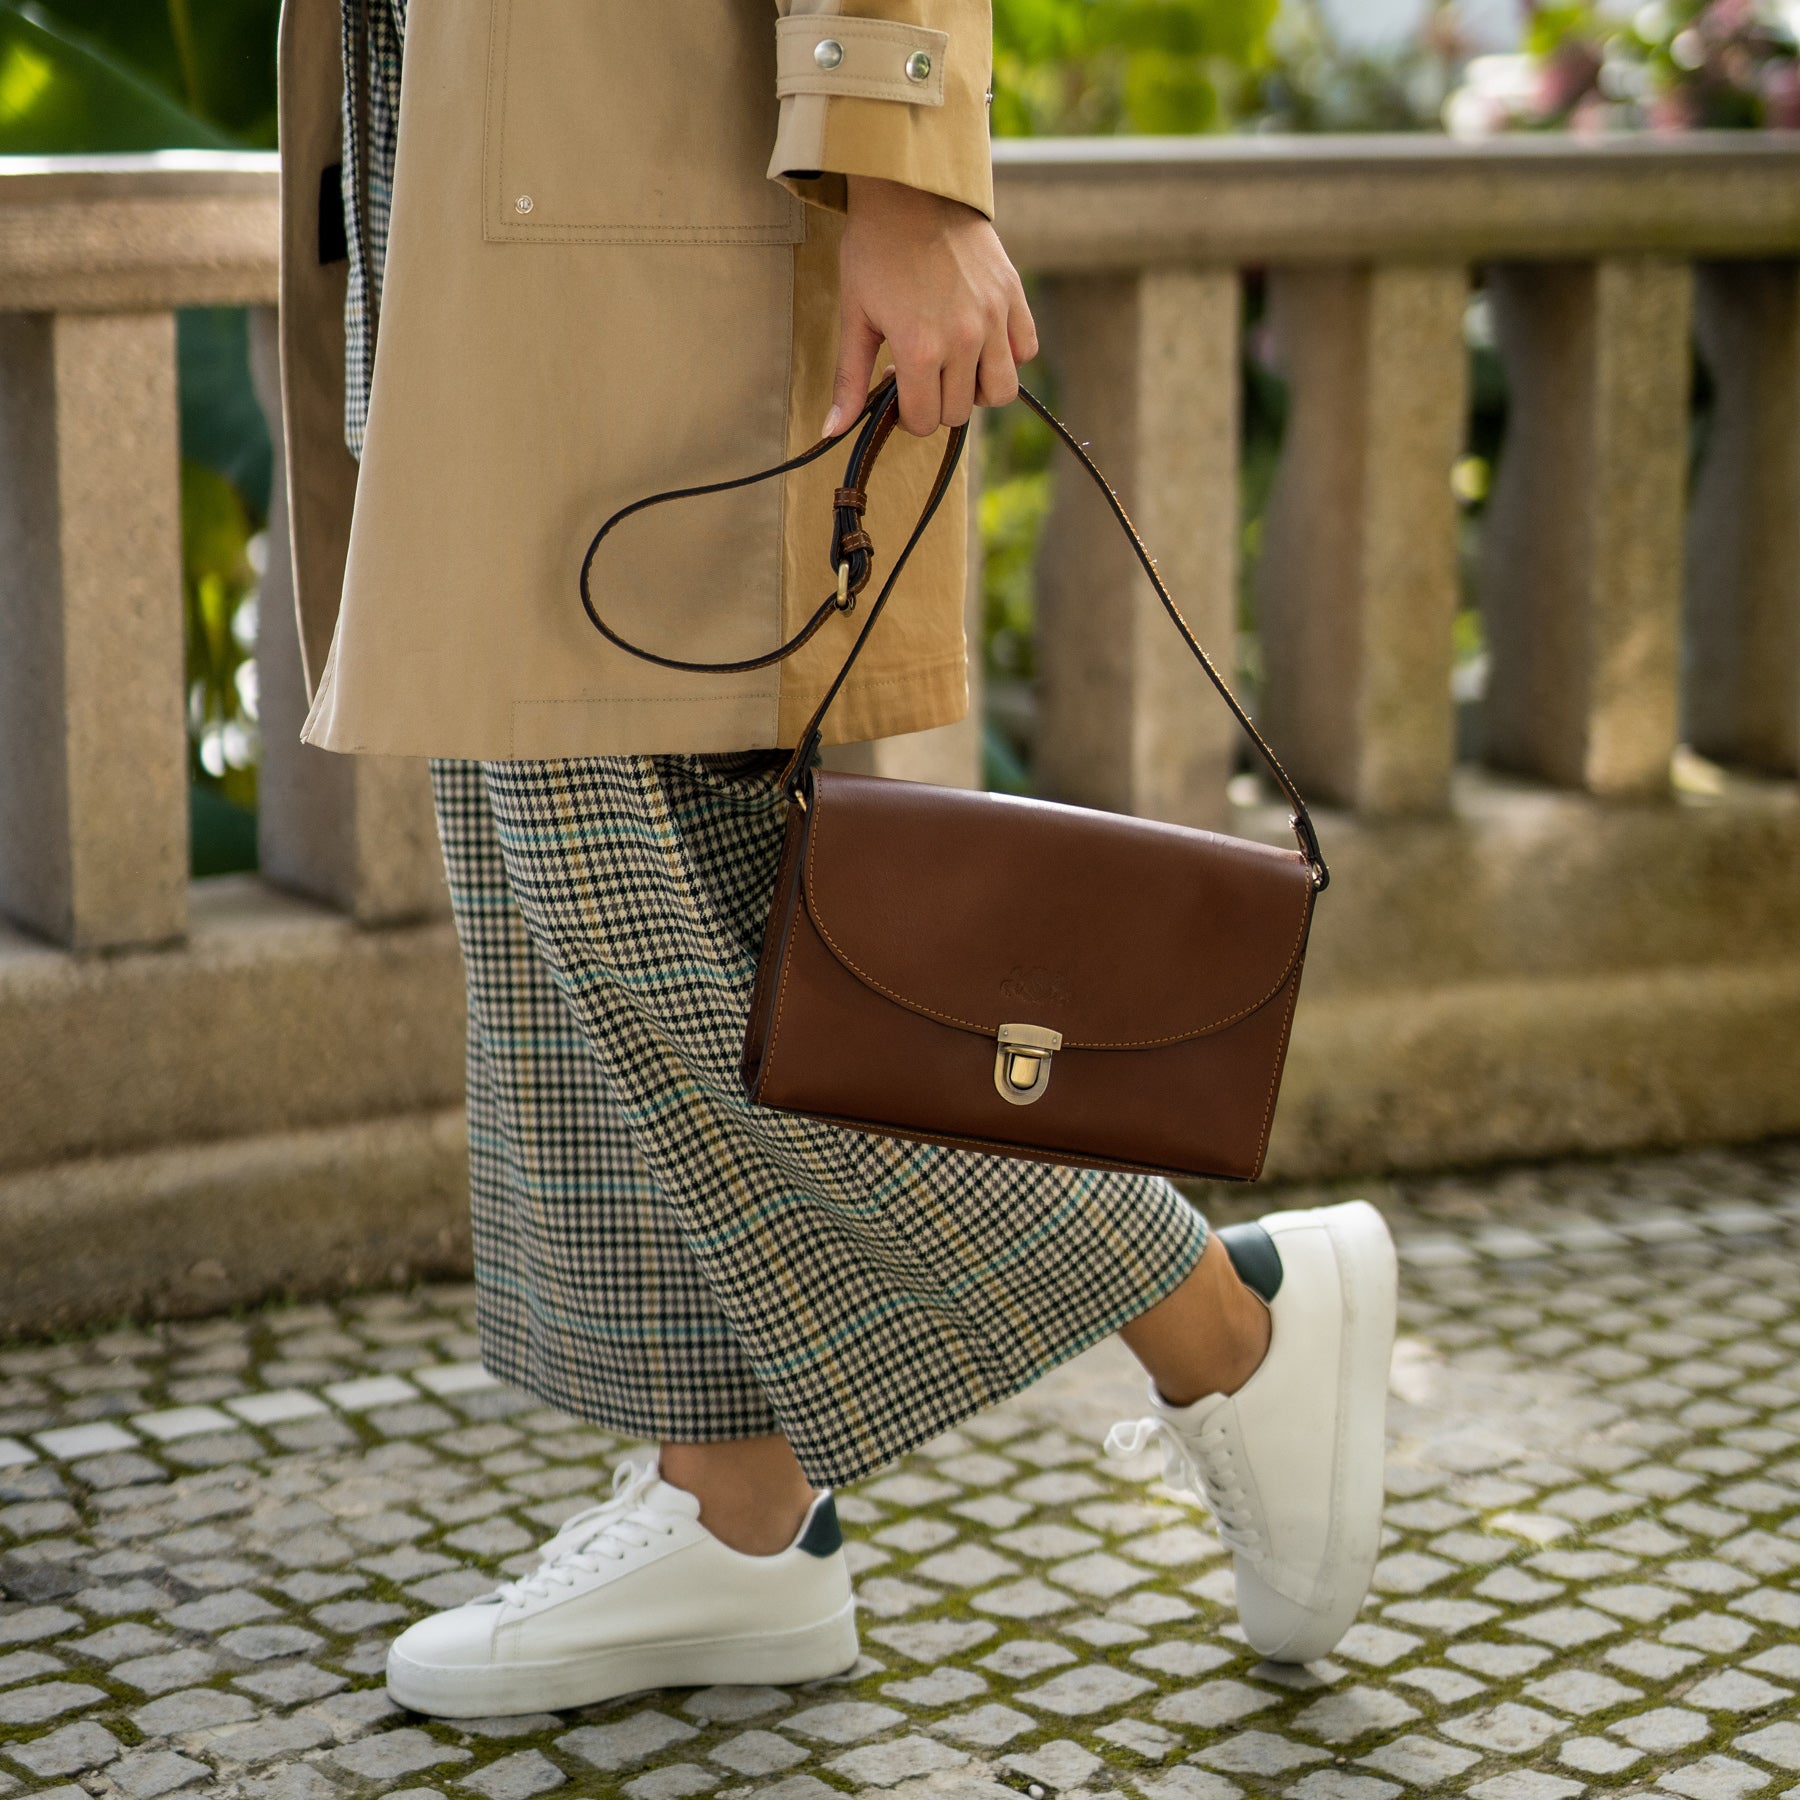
(612, 270)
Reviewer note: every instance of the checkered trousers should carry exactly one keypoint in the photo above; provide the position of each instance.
(655, 1254)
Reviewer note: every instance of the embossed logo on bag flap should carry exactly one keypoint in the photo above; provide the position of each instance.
(1034, 985)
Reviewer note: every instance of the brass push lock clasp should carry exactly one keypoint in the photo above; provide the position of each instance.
(1022, 1062)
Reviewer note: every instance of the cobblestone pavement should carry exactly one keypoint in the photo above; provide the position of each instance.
(208, 1532)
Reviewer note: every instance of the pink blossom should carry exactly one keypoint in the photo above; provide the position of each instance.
(1569, 72)
(1781, 95)
(1726, 18)
(1673, 110)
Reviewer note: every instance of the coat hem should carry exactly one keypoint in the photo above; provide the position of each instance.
(919, 699)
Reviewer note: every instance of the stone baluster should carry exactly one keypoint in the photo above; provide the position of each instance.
(354, 831)
(1357, 583)
(1741, 691)
(1148, 367)
(1581, 578)
(93, 758)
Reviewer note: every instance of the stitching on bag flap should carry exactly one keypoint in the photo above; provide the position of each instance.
(915, 1006)
(1287, 1025)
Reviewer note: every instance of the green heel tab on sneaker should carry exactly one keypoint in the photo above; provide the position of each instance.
(823, 1535)
(1254, 1256)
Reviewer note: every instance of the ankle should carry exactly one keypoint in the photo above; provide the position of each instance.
(1207, 1337)
(1236, 1351)
(1251, 1336)
(756, 1529)
(752, 1499)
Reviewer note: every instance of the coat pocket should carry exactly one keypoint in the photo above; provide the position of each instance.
(619, 122)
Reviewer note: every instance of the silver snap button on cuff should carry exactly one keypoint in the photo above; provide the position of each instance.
(918, 66)
(522, 204)
(828, 53)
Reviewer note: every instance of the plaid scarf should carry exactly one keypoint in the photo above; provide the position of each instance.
(374, 36)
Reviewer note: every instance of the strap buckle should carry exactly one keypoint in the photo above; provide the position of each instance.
(845, 599)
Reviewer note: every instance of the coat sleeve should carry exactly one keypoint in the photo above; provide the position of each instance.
(895, 88)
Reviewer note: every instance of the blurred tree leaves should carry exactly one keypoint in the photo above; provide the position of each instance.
(222, 425)
(1084, 67)
(1087, 66)
(106, 75)
(94, 76)
(216, 57)
(219, 552)
(61, 94)
(80, 77)
(1317, 82)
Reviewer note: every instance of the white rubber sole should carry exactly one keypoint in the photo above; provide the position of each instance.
(1368, 1284)
(766, 1658)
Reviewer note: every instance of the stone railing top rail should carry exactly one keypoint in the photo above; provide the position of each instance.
(116, 233)
(1087, 203)
(184, 228)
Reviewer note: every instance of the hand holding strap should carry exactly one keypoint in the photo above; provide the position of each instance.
(851, 556)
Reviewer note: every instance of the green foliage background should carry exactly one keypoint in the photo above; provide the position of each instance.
(113, 75)
(1079, 66)
(85, 76)
(100, 76)
(1667, 64)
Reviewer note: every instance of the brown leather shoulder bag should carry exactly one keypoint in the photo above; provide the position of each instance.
(1010, 975)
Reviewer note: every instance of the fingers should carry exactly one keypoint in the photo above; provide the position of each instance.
(918, 373)
(999, 379)
(954, 317)
(961, 393)
(943, 383)
(1016, 342)
(858, 341)
(1021, 328)
(959, 383)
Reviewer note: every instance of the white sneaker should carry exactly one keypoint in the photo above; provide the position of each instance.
(635, 1593)
(1291, 1464)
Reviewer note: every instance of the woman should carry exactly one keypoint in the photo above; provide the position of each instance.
(585, 252)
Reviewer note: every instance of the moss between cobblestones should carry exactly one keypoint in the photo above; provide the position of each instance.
(1483, 1319)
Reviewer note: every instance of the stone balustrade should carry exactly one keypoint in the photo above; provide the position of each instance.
(215, 1089)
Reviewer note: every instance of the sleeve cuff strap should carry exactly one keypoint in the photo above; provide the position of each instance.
(873, 59)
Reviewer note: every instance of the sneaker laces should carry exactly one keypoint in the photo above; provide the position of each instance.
(1206, 1461)
(605, 1533)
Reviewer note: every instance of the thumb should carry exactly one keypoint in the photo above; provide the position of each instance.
(858, 340)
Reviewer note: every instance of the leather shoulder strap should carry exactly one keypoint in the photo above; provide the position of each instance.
(851, 556)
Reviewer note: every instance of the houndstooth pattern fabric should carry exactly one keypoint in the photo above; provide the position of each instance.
(588, 1297)
(657, 1255)
(386, 27)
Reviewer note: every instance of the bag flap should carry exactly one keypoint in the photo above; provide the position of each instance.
(982, 909)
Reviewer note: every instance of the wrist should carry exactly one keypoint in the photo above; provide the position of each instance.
(875, 194)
